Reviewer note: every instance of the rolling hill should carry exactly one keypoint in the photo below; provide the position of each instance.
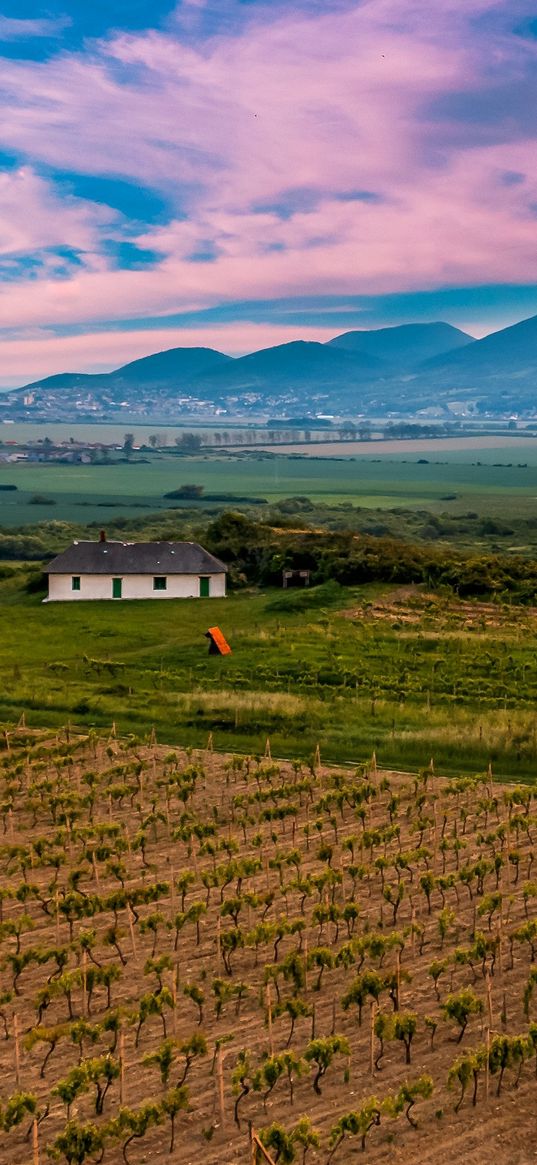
(400, 370)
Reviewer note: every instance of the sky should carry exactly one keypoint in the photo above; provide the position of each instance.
(237, 174)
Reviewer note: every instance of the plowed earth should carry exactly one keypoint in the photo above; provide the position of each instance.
(285, 845)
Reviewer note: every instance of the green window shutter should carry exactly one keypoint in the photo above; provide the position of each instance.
(205, 588)
(117, 587)
(75, 582)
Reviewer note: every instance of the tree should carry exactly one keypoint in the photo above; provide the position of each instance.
(175, 1101)
(189, 442)
(128, 445)
(358, 1123)
(77, 1143)
(368, 984)
(405, 1027)
(321, 1053)
(384, 1030)
(460, 1007)
(408, 1095)
(279, 1142)
(133, 1124)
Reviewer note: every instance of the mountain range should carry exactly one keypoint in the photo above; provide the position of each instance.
(411, 368)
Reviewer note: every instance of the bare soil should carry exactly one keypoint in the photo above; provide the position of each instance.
(207, 815)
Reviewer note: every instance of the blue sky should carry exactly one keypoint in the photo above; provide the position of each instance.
(237, 174)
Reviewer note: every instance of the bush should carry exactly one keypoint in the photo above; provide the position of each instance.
(296, 599)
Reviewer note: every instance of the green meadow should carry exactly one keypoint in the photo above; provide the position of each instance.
(456, 682)
(491, 481)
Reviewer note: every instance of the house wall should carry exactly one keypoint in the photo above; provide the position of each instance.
(135, 586)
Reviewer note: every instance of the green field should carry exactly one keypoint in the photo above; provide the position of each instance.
(430, 678)
(489, 481)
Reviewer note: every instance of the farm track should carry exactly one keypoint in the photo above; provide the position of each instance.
(165, 812)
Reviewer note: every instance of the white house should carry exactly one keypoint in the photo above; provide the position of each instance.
(135, 570)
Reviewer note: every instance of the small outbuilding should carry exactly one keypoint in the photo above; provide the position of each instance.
(135, 570)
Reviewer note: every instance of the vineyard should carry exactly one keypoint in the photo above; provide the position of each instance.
(195, 945)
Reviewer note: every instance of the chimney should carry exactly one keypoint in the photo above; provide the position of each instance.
(102, 535)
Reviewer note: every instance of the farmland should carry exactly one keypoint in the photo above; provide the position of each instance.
(192, 941)
(402, 671)
(484, 477)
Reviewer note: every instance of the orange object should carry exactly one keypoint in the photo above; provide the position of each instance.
(218, 643)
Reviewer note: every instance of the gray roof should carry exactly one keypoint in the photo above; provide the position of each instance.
(121, 558)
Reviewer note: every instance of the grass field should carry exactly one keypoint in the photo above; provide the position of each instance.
(190, 942)
(491, 481)
(407, 674)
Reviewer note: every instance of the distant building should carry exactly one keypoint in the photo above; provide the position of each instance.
(135, 570)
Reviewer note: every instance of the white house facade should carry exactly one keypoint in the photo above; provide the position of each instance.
(135, 570)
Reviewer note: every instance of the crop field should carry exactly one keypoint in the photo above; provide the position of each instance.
(190, 942)
(491, 480)
(400, 671)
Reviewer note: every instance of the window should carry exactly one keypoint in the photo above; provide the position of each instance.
(75, 582)
(160, 582)
(205, 588)
(117, 588)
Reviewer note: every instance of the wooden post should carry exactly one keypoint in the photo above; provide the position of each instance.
(174, 1014)
(209, 747)
(317, 757)
(306, 965)
(500, 950)
(218, 944)
(398, 976)
(268, 754)
(487, 1070)
(220, 1081)
(258, 1145)
(488, 985)
(95, 869)
(122, 1094)
(84, 982)
(131, 928)
(35, 1141)
(269, 1019)
(253, 1146)
(17, 1050)
(372, 1038)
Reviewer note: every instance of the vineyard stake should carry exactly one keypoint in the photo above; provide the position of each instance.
(17, 1049)
(131, 928)
(488, 985)
(269, 1019)
(84, 982)
(218, 945)
(220, 1079)
(35, 1141)
(372, 1039)
(122, 1096)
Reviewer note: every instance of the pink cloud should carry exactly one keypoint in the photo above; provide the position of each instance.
(45, 355)
(326, 102)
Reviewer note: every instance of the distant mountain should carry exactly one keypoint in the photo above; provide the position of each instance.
(399, 370)
(175, 369)
(177, 364)
(499, 371)
(404, 346)
(299, 365)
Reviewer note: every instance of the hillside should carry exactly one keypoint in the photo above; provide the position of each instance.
(398, 370)
(407, 345)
